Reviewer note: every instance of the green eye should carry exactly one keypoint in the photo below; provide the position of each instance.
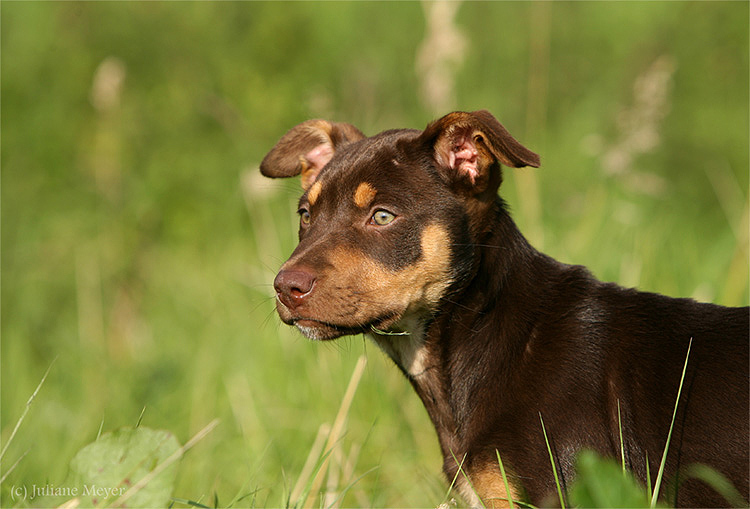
(304, 217)
(382, 217)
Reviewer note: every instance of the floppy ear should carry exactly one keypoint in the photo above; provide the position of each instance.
(306, 149)
(468, 146)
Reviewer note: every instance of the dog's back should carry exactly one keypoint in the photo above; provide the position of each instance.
(611, 362)
(711, 424)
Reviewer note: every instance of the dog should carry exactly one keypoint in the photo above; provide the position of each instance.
(403, 238)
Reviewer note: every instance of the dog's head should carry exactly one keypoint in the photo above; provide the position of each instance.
(387, 223)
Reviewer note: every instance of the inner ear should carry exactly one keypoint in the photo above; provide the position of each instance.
(463, 151)
(462, 154)
(312, 162)
(469, 146)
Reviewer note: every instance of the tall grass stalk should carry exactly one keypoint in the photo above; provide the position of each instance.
(13, 466)
(307, 486)
(140, 418)
(20, 420)
(307, 470)
(347, 472)
(453, 482)
(622, 442)
(336, 501)
(338, 426)
(101, 429)
(466, 476)
(552, 462)
(657, 485)
(505, 480)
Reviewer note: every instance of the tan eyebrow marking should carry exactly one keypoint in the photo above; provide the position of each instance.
(364, 195)
(314, 192)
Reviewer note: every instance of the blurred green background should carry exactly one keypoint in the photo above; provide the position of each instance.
(139, 242)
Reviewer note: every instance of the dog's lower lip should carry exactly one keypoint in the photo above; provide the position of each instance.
(307, 322)
(315, 324)
(318, 329)
(380, 323)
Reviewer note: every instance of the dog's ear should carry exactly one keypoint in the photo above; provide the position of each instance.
(468, 146)
(306, 149)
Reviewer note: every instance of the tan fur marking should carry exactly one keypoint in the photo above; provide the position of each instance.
(364, 195)
(307, 173)
(308, 176)
(488, 488)
(314, 192)
(417, 287)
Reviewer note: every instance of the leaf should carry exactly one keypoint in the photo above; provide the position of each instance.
(105, 469)
(600, 482)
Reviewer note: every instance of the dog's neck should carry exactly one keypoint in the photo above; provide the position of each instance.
(449, 355)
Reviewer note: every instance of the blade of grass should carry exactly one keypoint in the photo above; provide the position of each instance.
(338, 424)
(453, 481)
(312, 458)
(552, 461)
(101, 428)
(350, 486)
(307, 489)
(190, 503)
(20, 419)
(718, 482)
(240, 498)
(348, 464)
(466, 476)
(657, 486)
(334, 474)
(140, 417)
(13, 466)
(505, 480)
(622, 443)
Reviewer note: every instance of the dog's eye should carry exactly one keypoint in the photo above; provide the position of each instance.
(304, 217)
(382, 217)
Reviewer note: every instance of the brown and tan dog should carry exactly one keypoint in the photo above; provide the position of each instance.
(404, 238)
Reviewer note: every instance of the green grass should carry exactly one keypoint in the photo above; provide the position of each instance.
(660, 474)
(139, 244)
(553, 465)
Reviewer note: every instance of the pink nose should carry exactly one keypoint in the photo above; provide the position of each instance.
(293, 287)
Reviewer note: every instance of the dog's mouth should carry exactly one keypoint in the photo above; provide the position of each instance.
(318, 330)
(322, 331)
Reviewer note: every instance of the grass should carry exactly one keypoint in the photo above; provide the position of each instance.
(511, 502)
(660, 474)
(558, 486)
(18, 425)
(139, 243)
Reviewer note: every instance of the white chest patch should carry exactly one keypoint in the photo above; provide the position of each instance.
(404, 343)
